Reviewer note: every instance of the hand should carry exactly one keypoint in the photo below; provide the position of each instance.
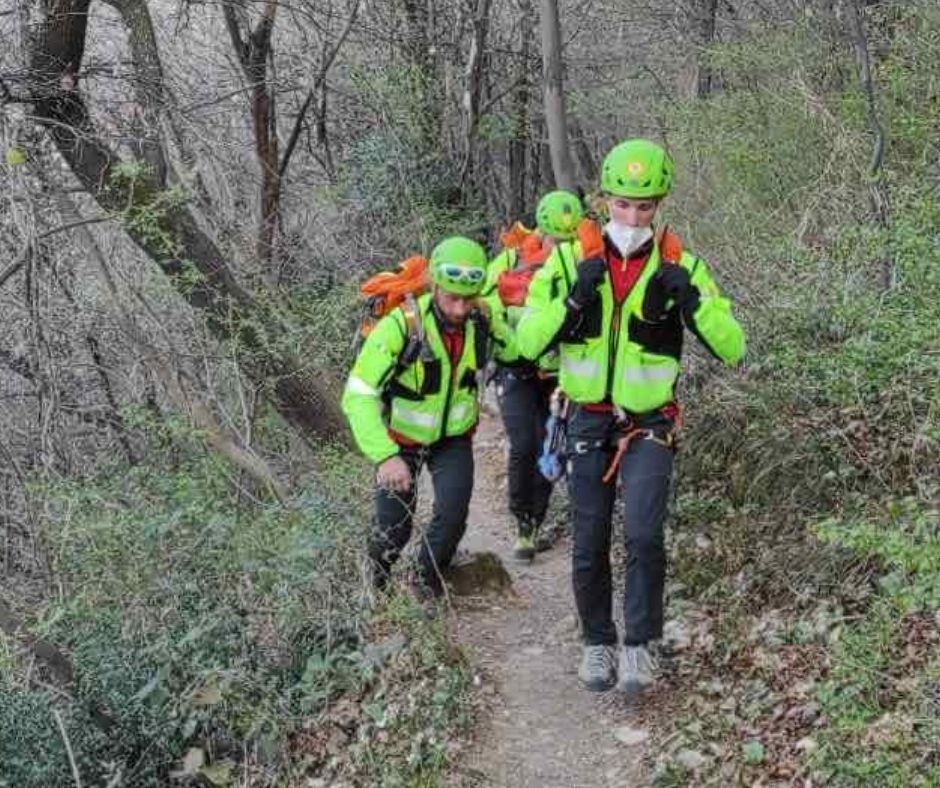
(671, 282)
(675, 281)
(394, 475)
(590, 274)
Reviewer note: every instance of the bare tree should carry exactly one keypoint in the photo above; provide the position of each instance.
(521, 96)
(254, 50)
(553, 77)
(164, 228)
(474, 83)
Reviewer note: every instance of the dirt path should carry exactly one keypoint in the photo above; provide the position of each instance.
(537, 726)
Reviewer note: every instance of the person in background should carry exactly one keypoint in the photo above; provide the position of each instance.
(524, 386)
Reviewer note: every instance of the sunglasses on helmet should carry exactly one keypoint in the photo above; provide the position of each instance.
(461, 274)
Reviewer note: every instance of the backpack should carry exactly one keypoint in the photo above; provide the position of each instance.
(388, 290)
(513, 285)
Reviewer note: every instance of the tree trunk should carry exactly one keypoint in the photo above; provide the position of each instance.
(415, 42)
(519, 144)
(708, 17)
(147, 82)
(473, 85)
(583, 151)
(553, 77)
(253, 54)
(877, 189)
(168, 233)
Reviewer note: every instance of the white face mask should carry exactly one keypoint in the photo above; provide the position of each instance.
(627, 239)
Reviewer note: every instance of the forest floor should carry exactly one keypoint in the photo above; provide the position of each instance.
(536, 726)
(735, 703)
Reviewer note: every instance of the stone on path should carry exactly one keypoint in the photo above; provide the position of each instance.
(473, 574)
(630, 736)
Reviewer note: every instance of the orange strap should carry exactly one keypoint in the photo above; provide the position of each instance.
(624, 441)
(670, 245)
(591, 238)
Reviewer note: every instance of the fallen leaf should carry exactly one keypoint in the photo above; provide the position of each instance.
(193, 760)
(208, 696)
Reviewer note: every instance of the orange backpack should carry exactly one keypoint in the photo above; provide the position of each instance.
(513, 285)
(387, 290)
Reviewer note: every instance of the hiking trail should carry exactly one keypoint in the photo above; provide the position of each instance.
(536, 727)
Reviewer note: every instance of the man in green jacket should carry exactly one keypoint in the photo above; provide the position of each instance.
(411, 399)
(523, 386)
(618, 319)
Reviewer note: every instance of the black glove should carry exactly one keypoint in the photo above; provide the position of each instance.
(670, 283)
(675, 282)
(590, 275)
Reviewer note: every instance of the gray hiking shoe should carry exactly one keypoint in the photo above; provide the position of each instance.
(636, 669)
(597, 668)
(524, 548)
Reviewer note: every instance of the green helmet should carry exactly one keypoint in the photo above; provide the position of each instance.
(458, 265)
(637, 169)
(558, 214)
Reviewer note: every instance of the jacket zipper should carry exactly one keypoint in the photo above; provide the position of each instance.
(612, 344)
(614, 339)
(446, 414)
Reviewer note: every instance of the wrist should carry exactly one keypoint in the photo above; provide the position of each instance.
(691, 299)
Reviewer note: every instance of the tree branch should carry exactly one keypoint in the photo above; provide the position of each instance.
(53, 658)
(21, 258)
(221, 439)
(317, 85)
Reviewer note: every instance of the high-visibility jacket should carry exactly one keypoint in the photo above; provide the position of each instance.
(624, 356)
(423, 399)
(509, 353)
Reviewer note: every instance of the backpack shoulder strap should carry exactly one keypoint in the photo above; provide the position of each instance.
(566, 256)
(669, 245)
(413, 321)
(481, 334)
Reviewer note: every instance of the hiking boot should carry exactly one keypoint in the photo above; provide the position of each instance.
(597, 668)
(636, 669)
(524, 548)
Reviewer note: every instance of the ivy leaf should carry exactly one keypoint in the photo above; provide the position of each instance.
(753, 751)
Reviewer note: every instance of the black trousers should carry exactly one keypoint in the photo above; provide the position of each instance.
(645, 473)
(523, 403)
(450, 462)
